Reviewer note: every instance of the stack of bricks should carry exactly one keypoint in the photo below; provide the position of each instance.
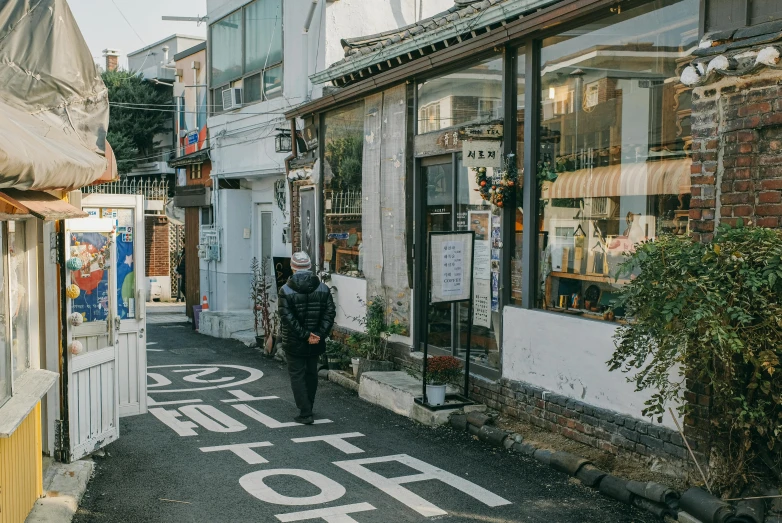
(156, 248)
(737, 154)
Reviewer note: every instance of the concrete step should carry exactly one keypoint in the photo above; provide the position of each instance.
(225, 324)
(396, 391)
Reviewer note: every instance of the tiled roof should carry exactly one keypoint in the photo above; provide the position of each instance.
(368, 55)
(735, 52)
(363, 45)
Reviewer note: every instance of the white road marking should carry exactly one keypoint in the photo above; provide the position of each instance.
(169, 417)
(244, 451)
(151, 343)
(335, 440)
(330, 490)
(393, 486)
(160, 380)
(254, 374)
(329, 515)
(155, 350)
(153, 403)
(269, 421)
(196, 377)
(212, 419)
(240, 395)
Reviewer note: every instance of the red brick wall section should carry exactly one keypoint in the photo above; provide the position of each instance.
(156, 249)
(737, 154)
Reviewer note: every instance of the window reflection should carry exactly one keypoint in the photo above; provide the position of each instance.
(342, 181)
(614, 155)
(471, 95)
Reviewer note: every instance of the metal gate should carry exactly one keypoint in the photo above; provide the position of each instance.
(176, 243)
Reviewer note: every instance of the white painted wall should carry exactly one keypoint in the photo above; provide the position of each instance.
(263, 198)
(228, 280)
(346, 295)
(568, 355)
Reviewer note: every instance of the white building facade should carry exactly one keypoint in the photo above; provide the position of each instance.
(261, 54)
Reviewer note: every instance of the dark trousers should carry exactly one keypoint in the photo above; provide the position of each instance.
(304, 381)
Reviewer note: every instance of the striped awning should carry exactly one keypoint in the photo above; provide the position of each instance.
(630, 179)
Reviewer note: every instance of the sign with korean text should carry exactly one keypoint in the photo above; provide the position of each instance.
(482, 153)
(451, 262)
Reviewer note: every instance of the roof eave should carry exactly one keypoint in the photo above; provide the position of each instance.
(509, 10)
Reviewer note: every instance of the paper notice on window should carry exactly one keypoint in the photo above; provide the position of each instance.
(453, 268)
(481, 303)
(481, 267)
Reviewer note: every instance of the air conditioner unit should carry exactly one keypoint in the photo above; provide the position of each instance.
(232, 98)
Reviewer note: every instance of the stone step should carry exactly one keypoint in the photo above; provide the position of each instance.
(396, 391)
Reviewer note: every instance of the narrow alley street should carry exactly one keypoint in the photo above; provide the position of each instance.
(174, 463)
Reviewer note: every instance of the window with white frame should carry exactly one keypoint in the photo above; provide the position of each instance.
(246, 52)
(15, 292)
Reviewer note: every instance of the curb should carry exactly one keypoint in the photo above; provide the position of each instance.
(64, 486)
(694, 506)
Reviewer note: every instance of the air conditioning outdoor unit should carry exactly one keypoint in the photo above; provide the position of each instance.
(232, 98)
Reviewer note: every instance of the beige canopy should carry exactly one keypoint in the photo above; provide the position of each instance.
(54, 107)
(634, 179)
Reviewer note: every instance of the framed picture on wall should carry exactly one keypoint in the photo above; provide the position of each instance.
(307, 221)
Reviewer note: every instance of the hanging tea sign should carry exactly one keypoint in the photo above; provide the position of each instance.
(482, 153)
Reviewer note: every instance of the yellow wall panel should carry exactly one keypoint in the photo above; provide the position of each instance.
(21, 476)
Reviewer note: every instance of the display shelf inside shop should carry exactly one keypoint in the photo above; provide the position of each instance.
(600, 278)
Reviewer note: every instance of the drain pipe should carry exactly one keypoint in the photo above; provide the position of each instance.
(306, 48)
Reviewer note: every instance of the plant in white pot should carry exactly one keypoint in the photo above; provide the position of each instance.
(440, 371)
(370, 348)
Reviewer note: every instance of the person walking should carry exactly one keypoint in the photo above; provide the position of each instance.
(307, 314)
(180, 270)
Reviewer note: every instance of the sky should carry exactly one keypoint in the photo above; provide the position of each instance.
(103, 26)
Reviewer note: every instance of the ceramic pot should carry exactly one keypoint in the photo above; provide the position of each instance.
(435, 394)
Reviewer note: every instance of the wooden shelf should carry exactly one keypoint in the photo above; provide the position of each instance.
(600, 278)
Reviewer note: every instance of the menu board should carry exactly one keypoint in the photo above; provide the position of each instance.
(451, 266)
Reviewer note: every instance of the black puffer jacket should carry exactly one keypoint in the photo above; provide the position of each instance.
(306, 306)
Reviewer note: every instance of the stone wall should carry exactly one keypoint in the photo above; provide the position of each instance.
(600, 428)
(737, 153)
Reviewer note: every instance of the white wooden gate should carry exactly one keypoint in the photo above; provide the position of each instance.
(127, 215)
(92, 350)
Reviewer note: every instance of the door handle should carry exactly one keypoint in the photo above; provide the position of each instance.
(117, 322)
(141, 304)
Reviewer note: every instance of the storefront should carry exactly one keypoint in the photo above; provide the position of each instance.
(580, 131)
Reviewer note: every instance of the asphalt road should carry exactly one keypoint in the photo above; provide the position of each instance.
(158, 470)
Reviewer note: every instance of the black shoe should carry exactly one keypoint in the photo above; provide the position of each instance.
(304, 420)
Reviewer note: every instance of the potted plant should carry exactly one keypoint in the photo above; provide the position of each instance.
(370, 348)
(265, 321)
(335, 354)
(440, 370)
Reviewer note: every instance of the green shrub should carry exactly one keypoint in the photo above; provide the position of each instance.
(713, 312)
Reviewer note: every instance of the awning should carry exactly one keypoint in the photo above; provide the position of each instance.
(54, 105)
(195, 158)
(39, 204)
(634, 179)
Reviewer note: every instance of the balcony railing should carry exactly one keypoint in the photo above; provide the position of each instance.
(343, 203)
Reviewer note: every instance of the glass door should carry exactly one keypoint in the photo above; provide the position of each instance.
(438, 215)
(451, 202)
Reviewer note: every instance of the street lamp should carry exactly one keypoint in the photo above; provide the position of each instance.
(282, 142)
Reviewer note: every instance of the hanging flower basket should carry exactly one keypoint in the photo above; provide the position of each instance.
(500, 188)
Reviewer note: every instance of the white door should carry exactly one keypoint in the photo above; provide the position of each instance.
(127, 215)
(93, 412)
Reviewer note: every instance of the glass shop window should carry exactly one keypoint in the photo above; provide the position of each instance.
(614, 164)
(472, 95)
(343, 158)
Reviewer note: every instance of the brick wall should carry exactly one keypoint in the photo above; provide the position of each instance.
(737, 154)
(593, 426)
(156, 250)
